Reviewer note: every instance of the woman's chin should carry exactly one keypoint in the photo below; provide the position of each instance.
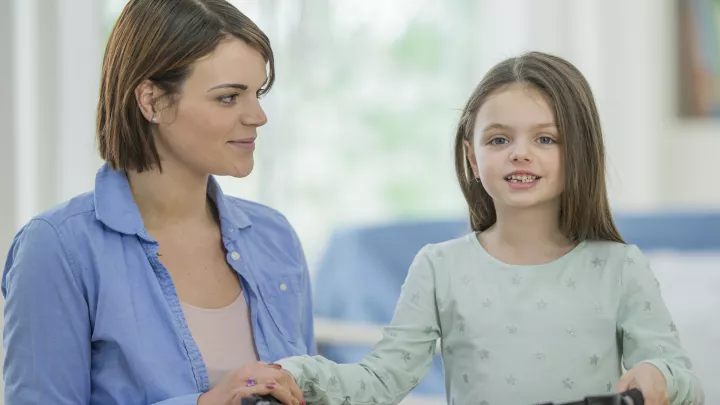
(234, 170)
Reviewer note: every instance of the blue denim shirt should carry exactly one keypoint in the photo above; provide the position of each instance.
(92, 315)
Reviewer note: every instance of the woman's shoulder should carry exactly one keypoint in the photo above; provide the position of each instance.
(78, 211)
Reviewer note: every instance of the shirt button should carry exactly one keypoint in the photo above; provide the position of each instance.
(235, 255)
(283, 287)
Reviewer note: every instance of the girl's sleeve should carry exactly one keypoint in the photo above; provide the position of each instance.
(649, 334)
(396, 365)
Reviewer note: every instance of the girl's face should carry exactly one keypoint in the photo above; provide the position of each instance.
(515, 150)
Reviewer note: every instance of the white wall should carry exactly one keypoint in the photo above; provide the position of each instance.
(58, 55)
(7, 144)
(7, 119)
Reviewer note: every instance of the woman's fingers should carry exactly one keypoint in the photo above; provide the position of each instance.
(288, 381)
(244, 392)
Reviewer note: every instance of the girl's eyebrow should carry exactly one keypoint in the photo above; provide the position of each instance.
(494, 125)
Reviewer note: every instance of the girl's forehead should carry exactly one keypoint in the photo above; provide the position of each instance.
(517, 106)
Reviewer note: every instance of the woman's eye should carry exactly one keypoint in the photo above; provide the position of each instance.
(228, 99)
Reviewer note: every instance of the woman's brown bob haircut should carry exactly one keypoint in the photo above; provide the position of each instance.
(159, 40)
(584, 208)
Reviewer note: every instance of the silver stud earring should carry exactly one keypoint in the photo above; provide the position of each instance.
(153, 119)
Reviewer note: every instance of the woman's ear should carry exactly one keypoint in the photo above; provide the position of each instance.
(146, 94)
(470, 154)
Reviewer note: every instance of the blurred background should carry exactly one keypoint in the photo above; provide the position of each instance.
(358, 148)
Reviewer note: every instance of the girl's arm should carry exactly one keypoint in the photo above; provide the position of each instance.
(397, 363)
(649, 334)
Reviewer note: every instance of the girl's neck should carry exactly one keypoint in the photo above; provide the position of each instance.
(525, 236)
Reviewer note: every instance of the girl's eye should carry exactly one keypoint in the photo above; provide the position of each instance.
(228, 99)
(498, 141)
(546, 140)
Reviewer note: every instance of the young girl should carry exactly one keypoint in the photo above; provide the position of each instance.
(543, 301)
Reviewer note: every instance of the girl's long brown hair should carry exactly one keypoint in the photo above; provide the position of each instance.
(584, 207)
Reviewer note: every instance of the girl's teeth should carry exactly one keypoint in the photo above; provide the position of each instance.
(522, 178)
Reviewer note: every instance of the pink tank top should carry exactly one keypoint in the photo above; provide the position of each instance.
(224, 336)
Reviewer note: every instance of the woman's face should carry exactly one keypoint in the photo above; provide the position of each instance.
(212, 126)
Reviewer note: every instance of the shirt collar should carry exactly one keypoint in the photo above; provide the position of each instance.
(115, 206)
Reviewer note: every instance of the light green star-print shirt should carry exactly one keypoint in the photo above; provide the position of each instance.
(513, 335)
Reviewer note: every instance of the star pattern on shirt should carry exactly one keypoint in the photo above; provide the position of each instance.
(315, 378)
(512, 329)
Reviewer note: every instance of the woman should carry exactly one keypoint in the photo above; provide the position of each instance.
(156, 288)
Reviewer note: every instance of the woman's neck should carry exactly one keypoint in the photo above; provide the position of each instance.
(173, 197)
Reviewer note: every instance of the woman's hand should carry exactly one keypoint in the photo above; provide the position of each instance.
(649, 380)
(254, 379)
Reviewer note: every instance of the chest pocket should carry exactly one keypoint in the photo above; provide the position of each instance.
(282, 293)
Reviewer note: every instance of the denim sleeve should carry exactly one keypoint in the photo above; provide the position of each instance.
(46, 335)
(307, 326)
